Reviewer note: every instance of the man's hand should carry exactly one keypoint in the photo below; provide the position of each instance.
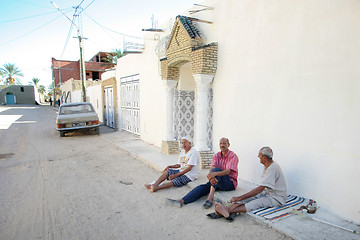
(211, 175)
(213, 181)
(171, 177)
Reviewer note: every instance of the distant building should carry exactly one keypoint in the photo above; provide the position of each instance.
(63, 70)
(17, 94)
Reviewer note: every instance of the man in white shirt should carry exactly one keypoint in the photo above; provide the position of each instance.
(188, 168)
(270, 193)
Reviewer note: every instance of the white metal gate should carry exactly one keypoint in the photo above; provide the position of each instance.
(130, 104)
(109, 107)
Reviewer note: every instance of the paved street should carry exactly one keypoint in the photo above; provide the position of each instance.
(83, 187)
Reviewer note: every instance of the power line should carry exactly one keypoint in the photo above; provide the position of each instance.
(68, 37)
(87, 6)
(2, 44)
(80, 4)
(30, 3)
(123, 34)
(17, 19)
(105, 31)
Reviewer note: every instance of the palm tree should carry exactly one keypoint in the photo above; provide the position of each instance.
(35, 82)
(113, 56)
(11, 73)
(42, 89)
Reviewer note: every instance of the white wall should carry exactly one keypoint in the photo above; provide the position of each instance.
(288, 77)
(152, 108)
(95, 98)
(76, 96)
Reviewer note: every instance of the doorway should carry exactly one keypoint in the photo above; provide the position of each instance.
(10, 98)
(109, 107)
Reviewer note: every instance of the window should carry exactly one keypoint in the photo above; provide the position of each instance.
(22, 89)
(95, 75)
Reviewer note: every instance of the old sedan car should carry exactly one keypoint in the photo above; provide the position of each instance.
(76, 117)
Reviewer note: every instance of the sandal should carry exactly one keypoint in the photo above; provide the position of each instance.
(208, 204)
(213, 215)
(231, 217)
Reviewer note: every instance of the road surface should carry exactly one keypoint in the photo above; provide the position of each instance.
(83, 187)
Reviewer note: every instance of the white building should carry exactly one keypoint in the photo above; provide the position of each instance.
(283, 74)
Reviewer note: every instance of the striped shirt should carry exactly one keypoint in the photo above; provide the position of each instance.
(228, 161)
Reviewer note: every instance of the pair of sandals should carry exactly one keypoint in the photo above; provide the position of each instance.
(215, 216)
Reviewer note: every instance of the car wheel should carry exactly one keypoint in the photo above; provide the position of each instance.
(62, 134)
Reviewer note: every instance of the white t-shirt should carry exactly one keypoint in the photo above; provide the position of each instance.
(274, 181)
(192, 157)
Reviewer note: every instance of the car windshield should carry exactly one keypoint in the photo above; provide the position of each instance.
(75, 109)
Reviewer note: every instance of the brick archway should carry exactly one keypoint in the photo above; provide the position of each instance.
(186, 44)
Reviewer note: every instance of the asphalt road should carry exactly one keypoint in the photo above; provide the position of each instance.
(83, 187)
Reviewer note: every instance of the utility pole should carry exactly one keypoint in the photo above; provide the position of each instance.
(79, 36)
(82, 61)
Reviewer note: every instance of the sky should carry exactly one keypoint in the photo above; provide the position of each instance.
(34, 31)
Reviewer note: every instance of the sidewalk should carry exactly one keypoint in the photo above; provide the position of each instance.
(296, 226)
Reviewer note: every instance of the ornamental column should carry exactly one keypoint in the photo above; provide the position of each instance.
(201, 110)
(169, 145)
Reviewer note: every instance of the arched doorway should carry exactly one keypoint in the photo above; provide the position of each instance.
(189, 111)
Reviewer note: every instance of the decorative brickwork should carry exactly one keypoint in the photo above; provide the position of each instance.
(186, 45)
(170, 147)
(204, 59)
(206, 159)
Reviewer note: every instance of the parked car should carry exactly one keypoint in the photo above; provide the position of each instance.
(77, 117)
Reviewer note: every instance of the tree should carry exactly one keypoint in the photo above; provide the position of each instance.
(42, 89)
(35, 82)
(11, 73)
(113, 56)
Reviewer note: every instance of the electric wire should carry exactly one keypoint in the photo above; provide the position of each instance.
(123, 34)
(17, 38)
(86, 6)
(105, 31)
(68, 37)
(18, 19)
(30, 3)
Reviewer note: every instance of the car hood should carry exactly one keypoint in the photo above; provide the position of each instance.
(71, 118)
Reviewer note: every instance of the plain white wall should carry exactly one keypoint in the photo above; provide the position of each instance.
(76, 96)
(287, 77)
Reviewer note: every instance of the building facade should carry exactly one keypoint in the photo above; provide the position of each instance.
(282, 74)
(17, 94)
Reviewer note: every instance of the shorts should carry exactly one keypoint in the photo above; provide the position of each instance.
(260, 201)
(179, 181)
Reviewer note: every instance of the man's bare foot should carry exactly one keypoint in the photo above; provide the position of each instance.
(221, 210)
(148, 186)
(154, 188)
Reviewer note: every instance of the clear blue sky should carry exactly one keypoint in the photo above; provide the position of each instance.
(33, 31)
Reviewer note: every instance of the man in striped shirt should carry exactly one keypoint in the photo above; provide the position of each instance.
(222, 176)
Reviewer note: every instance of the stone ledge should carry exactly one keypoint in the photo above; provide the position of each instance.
(170, 147)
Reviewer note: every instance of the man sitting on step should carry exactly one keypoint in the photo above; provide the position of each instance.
(222, 176)
(188, 169)
(270, 193)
